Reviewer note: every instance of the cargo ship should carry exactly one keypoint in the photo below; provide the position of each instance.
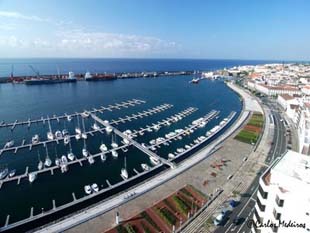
(99, 77)
(37, 81)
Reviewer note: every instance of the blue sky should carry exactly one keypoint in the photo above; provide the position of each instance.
(229, 29)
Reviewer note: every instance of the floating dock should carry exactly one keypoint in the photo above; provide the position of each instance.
(28, 122)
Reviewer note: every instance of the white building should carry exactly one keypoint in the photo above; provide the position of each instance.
(284, 195)
(285, 100)
(273, 90)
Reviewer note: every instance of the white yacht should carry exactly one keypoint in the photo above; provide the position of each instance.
(95, 126)
(187, 146)
(154, 160)
(48, 161)
(114, 153)
(50, 135)
(90, 159)
(12, 173)
(156, 127)
(78, 136)
(9, 144)
(35, 139)
(145, 167)
(180, 150)
(70, 155)
(124, 173)
(126, 141)
(171, 156)
(57, 161)
(69, 118)
(103, 157)
(3, 173)
(78, 129)
(58, 134)
(84, 134)
(40, 164)
(64, 159)
(85, 114)
(108, 129)
(103, 147)
(85, 152)
(114, 143)
(65, 132)
(95, 187)
(32, 176)
(87, 189)
(66, 139)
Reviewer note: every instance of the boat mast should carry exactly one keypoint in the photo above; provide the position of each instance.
(70, 146)
(85, 147)
(46, 151)
(78, 121)
(83, 124)
(49, 124)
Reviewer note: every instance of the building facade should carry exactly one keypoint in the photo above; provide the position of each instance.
(283, 196)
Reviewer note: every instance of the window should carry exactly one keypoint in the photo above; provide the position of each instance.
(279, 201)
(276, 215)
(262, 193)
(260, 205)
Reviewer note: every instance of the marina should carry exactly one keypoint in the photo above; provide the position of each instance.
(18, 178)
(110, 186)
(127, 159)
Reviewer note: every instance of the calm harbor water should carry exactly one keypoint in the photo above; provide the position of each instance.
(100, 65)
(22, 102)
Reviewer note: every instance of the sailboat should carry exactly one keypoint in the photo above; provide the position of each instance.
(84, 151)
(114, 144)
(57, 160)
(145, 167)
(84, 135)
(78, 130)
(103, 157)
(40, 164)
(124, 173)
(48, 161)
(70, 155)
(95, 126)
(114, 153)
(50, 135)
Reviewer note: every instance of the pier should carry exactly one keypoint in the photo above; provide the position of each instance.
(28, 122)
(151, 111)
(133, 142)
(187, 129)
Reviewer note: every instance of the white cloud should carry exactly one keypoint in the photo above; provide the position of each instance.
(101, 41)
(17, 15)
(62, 40)
(91, 44)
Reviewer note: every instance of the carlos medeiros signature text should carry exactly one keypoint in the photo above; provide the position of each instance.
(270, 224)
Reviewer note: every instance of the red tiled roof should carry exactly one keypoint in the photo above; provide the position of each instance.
(287, 96)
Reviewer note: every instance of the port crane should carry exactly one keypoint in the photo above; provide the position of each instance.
(35, 71)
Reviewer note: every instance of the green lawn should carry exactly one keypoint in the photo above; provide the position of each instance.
(247, 136)
(250, 137)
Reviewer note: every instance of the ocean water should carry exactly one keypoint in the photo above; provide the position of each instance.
(20, 102)
(52, 66)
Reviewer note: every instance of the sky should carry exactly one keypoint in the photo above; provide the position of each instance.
(212, 29)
